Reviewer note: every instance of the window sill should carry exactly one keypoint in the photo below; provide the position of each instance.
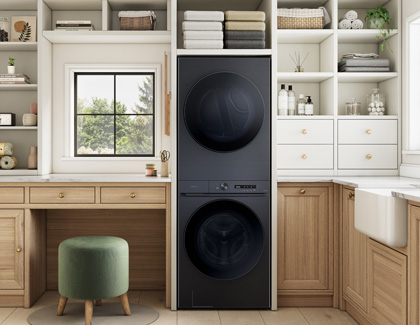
(110, 158)
(411, 153)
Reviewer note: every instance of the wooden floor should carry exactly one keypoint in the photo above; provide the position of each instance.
(155, 299)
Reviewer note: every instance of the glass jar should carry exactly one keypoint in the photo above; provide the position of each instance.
(353, 107)
(376, 103)
(4, 29)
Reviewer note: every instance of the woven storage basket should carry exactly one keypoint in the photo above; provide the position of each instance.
(137, 23)
(299, 19)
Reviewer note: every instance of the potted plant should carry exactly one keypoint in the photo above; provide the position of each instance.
(379, 18)
(11, 66)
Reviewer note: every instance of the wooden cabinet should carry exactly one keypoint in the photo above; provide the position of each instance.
(414, 242)
(61, 195)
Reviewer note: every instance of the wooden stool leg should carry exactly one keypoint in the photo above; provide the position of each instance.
(98, 302)
(88, 312)
(125, 305)
(61, 305)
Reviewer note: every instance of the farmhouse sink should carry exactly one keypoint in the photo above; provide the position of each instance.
(381, 216)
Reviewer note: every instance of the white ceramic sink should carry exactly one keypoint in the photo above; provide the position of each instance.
(381, 216)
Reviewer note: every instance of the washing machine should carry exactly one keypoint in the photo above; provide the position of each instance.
(223, 245)
(223, 118)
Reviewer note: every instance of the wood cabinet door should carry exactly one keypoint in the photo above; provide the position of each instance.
(305, 237)
(414, 237)
(355, 246)
(387, 285)
(11, 249)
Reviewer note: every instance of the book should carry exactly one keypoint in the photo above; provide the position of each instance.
(91, 27)
(13, 79)
(73, 25)
(74, 22)
(13, 82)
(15, 75)
(73, 29)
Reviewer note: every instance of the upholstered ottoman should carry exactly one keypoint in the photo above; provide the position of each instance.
(93, 268)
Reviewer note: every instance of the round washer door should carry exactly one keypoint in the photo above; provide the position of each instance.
(224, 239)
(224, 111)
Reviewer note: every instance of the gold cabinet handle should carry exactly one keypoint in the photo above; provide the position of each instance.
(369, 131)
(351, 195)
(369, 156)
(302, 191)
(304, 131)
(133, 195)
(61, 195)
(304, 156)
(18, 249)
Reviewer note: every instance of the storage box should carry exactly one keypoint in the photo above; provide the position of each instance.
(137, 20)
(299, 18)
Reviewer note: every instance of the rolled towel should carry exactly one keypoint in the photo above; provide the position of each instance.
(244, 25)
(204, 15)
(202, 25)
(245, 44)
(351, 15)
(6, 149)
(8, 162)
(245, 15)
(203, 44)
(245, 34)
(203, 34)
(344, 24)
(357, 24)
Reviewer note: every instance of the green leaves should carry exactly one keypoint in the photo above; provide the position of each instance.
(25, 35)
(380, 18)
(11, 62)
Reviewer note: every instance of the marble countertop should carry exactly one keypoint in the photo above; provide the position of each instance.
(86, 178)
(408, 194)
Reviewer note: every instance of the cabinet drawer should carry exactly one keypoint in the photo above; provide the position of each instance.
(134, 195)
(12, 195)
(367, 157)
(305, 157)
(305, 132)
(367, 132)
(55, 195)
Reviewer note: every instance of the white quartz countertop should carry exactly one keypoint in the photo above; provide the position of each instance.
(86, 178)
(408, 194)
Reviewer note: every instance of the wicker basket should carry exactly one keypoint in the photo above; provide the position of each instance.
(137, 23)
(299, 18)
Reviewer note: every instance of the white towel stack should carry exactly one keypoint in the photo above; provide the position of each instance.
(350, 21)
(203, 29)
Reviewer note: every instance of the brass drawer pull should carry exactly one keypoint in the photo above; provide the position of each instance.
(133, 195)
(302, 191)
(369, 156)
(351, 195)
(304, 131)
(304, 156)
(369, 131)
(61, 195)
(18, 249)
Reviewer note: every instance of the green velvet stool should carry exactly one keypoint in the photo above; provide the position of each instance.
(93, 268)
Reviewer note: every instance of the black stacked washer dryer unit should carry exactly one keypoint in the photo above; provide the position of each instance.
(224, 170)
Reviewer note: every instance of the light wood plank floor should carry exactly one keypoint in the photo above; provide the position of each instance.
(155, 299)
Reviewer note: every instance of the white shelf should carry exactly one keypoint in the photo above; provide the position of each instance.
(137, 4)
(303, 76)
(223, 52)
(221, 5)
(113, 36)
(18, 172)
(361, 36)
(74, 4)
(18, 5)
(304, 117)
(18, 128)
(365, 76)
(18, 87)
(307, 36)
(367, 117)
(18, 46)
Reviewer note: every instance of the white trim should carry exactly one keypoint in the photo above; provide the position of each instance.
(407, 170)
(408, 152)
(70, 69)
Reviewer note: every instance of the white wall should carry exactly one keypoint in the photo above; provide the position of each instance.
(99, 53)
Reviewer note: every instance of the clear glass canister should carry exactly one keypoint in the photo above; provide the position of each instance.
(4, 29)
(376, 103)
(353, 107)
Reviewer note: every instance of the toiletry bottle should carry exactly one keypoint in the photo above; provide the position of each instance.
(309, 107)
(282, 101)
(291, 107)
(301, 104)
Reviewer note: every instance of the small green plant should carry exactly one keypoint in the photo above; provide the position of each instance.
(11, 62)
(379, 17)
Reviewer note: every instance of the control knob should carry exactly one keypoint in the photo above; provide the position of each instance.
(224, 186)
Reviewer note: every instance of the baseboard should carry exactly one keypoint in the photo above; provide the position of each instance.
(357, 313)
(11, 301)
(304, 300)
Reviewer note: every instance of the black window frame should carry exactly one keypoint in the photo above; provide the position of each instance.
(115, 74)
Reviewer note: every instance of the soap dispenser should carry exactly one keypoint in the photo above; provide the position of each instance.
(309, 107)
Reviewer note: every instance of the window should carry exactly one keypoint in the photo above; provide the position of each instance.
(114, 114)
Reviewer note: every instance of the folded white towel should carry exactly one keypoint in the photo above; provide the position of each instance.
(326, 19)
(351, 15)
(357, 24)
(344, 24)
(202, 25)
(143, 13)
(204, 15)
(203, 34)
(203, 44)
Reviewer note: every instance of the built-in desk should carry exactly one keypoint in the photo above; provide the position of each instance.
(37, 213)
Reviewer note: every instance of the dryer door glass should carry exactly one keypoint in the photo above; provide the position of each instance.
(224, 239)
(224, 111)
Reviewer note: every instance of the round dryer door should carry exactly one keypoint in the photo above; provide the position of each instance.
(224, 239)
(224, 111)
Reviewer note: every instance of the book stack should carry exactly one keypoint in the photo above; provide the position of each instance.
(74, 25)
(14, 79)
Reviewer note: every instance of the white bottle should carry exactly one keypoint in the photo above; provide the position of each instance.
(282, 101)
(301, 104)
(309, 107)
(291, 107)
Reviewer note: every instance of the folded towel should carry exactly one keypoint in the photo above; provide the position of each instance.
(326, 19)
(344, 24)
(142, 13)
(357, 24)
(245, 34)
(364, 63)
(203, 34)
(300, 13)
(203, 44)
(351, 15)
(244, 44)
(204, 15)
(244, 25)
(245, 15)
(359, 55)
(202, 25)
(364, 69)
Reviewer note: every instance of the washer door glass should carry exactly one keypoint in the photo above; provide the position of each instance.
(224, 111)
(224, 239)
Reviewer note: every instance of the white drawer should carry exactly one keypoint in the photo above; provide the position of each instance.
(305, 157)
(367, 157)
(367, 132)
(305, 132)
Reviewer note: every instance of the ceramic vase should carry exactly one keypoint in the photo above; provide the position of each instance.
(11, 69)
(34, 108)
(33, 158)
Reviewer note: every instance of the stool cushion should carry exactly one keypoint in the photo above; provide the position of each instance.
(93, 267)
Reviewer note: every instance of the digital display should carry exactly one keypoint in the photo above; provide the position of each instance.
(245, 186)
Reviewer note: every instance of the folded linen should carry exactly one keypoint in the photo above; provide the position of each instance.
(244, 44)
(344, 24)
(203, 34)
(357, 24)
(141, 13)
(351, 15)
(202, 25)
(326, 19)
(244, 25)
(364, 69)
(359, 55)
(203, 44)
(364, 63)
(204, 15)
(245, 15)
(244, 35)
(300, 13)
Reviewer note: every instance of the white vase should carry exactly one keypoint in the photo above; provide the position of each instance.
(371, 23)
(11, 69)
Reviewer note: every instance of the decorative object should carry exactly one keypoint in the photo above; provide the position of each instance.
(29, 119)
(8, 162)
(6, 149)
(137, 20)
(33, 158)
(34, 108)
(379, 18)
(11, 67)
(353, 107)
(7, 119)
(23, 29)
(151, 170)
(164, 158)
(376, 102)
(298, 62)
(4, 29)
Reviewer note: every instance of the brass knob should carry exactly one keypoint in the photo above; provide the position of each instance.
(368, 156)
(133, 195)
(351, 195)
(369, 131)
(304, 156)
(302, 191)
(304, 131)
(61, 195)
(18, 249)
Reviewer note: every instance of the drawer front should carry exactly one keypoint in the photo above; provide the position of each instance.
(305, 132)
(12, 195)
(367, 132)
(305, 157)
(54, 195)
(367, 157)
(133, 195)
